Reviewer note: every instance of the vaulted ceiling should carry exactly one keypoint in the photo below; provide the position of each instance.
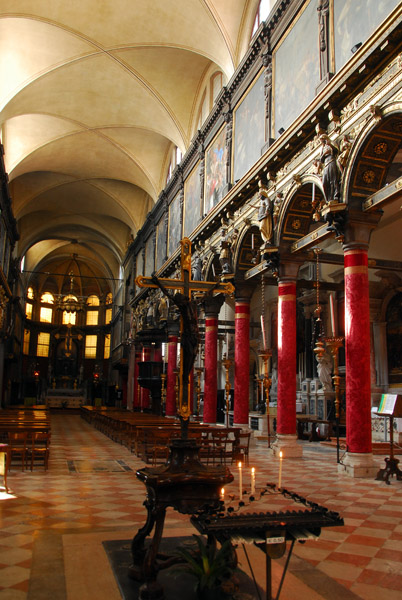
(94, 96)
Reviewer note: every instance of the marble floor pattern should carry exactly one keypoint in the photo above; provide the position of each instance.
(52, 524)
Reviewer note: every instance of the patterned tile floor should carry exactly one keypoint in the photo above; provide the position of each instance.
(52, 524)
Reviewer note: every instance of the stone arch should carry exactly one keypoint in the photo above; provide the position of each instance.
(243, 252)
(296, 216)
(373, 153)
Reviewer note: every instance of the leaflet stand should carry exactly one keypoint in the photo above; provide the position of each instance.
(390, 406)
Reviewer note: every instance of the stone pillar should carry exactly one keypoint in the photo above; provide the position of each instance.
(242, 362)
(212, 306)
(286, 410)
(171, 377)
(359, 460)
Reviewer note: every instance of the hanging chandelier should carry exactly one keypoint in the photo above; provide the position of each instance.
(71, 303)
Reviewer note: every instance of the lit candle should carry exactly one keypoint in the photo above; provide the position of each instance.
(280, 470)
(263, 332)
(240, 482)
(252, 480)
(223, 494)
(332, 313)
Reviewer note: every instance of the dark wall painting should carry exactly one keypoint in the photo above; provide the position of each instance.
(139, 266)
(192, 201)
(249, 128)
(174, 225)
(149, 257)
(161, 238)
(215, 172)
(354, 22)
(296, 69)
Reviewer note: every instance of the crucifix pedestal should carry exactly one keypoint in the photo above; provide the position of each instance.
(184, 483)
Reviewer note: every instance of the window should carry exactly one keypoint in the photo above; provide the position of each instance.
(46, 314)
(27, 337)
(262, 14)
(108, 315)
(69, 318)
(43, 344)
(30, 293)
(28, 310)
(109, 298)
(47, 298)
(216, 85)
(93, 300)
(90, 346)
(92, 317)
(106, 351)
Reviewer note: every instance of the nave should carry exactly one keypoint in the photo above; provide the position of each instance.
(53, 524)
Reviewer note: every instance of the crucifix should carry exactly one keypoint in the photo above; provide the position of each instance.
(189, 338)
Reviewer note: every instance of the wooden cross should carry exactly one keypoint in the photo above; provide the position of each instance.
(186, 285)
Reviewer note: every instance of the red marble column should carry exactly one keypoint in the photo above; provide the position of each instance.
(242, 362)
(210, 364)
(286, 415)
(170, 410)
(357, 351)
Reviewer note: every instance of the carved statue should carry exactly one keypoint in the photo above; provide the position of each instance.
(163, 308)
(196, 268)
(324, 369)
(225, 255)
(264, 213)
(344, 151)
(331, 174)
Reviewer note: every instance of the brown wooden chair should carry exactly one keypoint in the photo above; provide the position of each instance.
(241, 449)
(39, 448)
(17, 443)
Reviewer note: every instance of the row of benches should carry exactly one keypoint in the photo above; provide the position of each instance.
(149, 436)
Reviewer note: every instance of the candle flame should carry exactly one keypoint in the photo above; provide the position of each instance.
(222, 491)
(239, 465)
(253, 470)
(280, 454)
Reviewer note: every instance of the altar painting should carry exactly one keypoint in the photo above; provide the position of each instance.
(160, 243)
(249, 129)
(174, 225)
(354, 22)
(149, 257)
(215, 172)
(192, 201)
(296, 71)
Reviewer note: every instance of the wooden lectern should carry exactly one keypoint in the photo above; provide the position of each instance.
(390, 406)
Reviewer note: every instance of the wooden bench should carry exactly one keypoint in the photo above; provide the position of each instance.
(312, 435)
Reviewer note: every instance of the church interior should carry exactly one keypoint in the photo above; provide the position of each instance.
(200, 296)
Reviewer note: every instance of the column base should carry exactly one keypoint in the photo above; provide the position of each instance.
(289, 446)
(358, 465)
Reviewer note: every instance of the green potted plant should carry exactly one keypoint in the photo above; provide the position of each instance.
(213, 569)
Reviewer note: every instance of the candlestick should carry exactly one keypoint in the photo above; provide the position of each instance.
(280, 470)
(240, 482)
(252, 480)
(332, 313)
(263, 332)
